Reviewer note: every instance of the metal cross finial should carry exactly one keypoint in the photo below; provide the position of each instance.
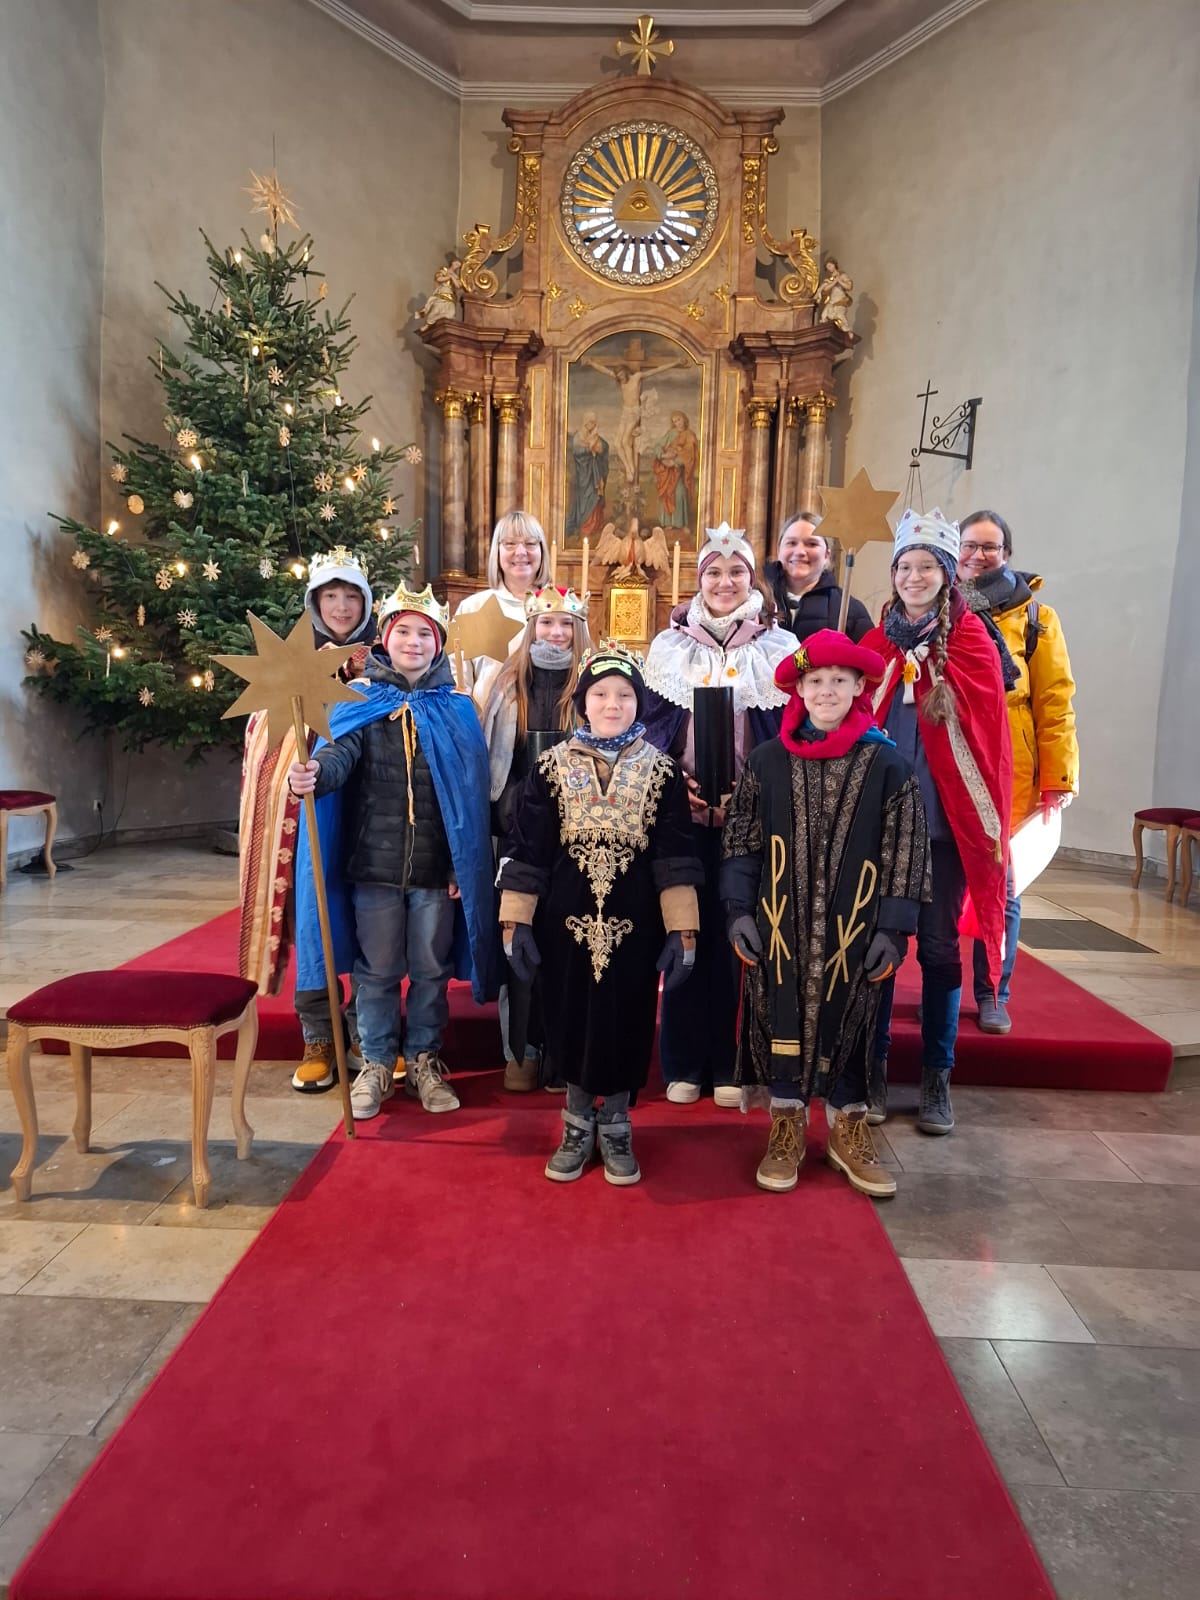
(646, 46)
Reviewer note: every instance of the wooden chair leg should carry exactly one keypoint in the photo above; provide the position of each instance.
(1186, 841)
(51, 830)
(1137, 852)
(202, 1047)
(247, 1043)
(21, 1084)
(81, 1066)
(3, 850)
(1172, 854)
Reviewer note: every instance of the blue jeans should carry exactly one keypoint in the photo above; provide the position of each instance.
(402, 932)
(1012, 932)
(940, 960)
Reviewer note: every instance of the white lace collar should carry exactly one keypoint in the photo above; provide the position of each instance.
(677, 663)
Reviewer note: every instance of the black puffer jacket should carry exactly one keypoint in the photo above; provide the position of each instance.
(818, 608)
(382, 845)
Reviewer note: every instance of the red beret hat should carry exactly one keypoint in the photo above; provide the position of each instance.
(828, 648)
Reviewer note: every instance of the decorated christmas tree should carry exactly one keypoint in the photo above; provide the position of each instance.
(264, 465)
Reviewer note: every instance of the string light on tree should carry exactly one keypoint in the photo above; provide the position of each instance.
(114, 527)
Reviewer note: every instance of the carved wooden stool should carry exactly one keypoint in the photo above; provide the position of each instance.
(111, 1010)
(1159, 819)
(26, 803)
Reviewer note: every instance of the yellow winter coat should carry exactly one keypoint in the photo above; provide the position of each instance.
(1040, 710)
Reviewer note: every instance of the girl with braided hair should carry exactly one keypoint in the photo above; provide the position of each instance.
(942, 700)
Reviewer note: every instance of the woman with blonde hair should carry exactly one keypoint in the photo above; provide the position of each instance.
(529, 708)
(518, 564)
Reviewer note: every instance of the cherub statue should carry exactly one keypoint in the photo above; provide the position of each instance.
(834, 296)
(442, 304)
(629, 553)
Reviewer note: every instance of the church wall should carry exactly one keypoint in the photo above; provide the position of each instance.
(51, 251)
(1017, 203)
(368, 153)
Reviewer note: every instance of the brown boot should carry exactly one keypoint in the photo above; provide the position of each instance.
(318, 1068)
(851, 1150)
(520, 1077)
(779, 1169)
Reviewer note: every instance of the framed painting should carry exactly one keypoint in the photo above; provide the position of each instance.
(633, 445)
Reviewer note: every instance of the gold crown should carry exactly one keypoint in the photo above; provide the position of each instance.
(609, 653)
(426, 603)
(551, 600)
(339, 557)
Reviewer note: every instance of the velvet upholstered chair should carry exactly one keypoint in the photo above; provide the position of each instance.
(27, 803)
(1189, 836)
(116, 1010)
(1159, 819)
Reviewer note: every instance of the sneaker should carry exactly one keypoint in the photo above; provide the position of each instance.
(370, 1089)
(993, 1016)
(426, 1083)
(936, 1114)
(682, 1093)
(576, 1150)
(877, 1105)
(520, 1077)
(616, 1152)
(851, 1149)
(728, 1095)
(779, 1169)
(318, 1067)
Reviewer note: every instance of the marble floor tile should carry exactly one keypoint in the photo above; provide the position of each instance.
(23, 1459)
(1114, 1545)
(25, 1248)
(993, 1300)
(244, 1193)
(136, 1263)
(186, 1318)
(1147, 1225)
(29, 1519)
(1132, 1305)
(66, 1361)
(976, 1219)
(166, 1120)
(118, 1184)
(1158, 1157)
(56, 1106)
(1001, 1152)
(1113, 1416)
(1008, 1430)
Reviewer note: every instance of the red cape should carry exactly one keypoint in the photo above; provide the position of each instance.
(970, 760)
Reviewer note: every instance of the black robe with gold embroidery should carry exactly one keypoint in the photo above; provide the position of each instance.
(603, 847)
(824, 853)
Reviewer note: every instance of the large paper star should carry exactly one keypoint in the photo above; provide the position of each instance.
(285, 670)
(857, 514)
(486, 632)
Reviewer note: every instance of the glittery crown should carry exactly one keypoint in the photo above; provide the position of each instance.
(550, 601)
(336, 560)
(929, 528)
(611, 654)
(425, 603)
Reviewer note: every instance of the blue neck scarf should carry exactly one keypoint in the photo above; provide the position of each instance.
(612, 746)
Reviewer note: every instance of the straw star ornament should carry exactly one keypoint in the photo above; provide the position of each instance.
(286, 671)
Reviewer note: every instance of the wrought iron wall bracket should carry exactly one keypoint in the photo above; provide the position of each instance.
(958, 428)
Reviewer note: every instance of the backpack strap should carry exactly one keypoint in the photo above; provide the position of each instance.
(1033, 629)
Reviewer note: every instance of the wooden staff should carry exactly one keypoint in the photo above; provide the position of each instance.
(844, 611)
(332, 984)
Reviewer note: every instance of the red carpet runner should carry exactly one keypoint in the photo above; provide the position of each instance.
(1062, 1038)
(436, 1376)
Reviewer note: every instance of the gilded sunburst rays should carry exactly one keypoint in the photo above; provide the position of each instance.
(639, 202)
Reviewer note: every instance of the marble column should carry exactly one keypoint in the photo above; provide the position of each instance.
(479, 498)
(787, 463)
(508, 487)
(758, 474)
(812, 467)
(453, 403)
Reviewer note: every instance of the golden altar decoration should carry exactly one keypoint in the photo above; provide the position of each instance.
(636, 342)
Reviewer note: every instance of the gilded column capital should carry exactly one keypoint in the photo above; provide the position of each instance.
(795, 411)
(477, 408)
(453, 402)
(508, 406)
(819, 405)
(760, 411)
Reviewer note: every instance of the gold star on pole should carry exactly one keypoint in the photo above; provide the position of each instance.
(268, 196)
(289, 678)
(646, 46)
(857, 514)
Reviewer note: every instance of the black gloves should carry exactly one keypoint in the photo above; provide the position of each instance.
(675, 963)
(885, 955)
(522, 953)
(742, 932)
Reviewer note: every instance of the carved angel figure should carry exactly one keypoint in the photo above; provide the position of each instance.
(834, 295)
(629, 553)
(442, 304)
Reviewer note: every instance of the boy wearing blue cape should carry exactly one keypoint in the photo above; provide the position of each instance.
(403, 818)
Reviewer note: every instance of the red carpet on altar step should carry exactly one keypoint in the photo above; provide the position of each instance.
(1062, 1038)
(437, 1376)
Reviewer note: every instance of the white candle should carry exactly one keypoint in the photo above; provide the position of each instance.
(554, 560)
(584, 570)
(675, 576)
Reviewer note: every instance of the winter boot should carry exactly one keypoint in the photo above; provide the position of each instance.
(779, 1169)
(936, 1114)
(851, 1150)
(616, 1151)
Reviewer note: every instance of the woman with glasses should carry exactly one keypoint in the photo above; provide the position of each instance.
(518, 565)
(1041, 712)
(941, 702)
(802, 583)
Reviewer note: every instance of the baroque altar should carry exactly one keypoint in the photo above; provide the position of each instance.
(636, 345)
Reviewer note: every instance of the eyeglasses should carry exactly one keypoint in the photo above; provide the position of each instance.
(969, 548)
(903, 571)
(520, 544)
